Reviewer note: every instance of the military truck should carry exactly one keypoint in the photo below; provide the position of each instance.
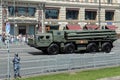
(69, 41)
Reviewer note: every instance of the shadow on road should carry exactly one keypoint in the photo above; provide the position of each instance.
(37, 53)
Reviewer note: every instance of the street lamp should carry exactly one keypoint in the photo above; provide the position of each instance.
(14, 19)
(1, 17)
(99, 17)
(42, 15)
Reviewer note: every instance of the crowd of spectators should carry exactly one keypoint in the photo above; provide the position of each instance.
(13, 39)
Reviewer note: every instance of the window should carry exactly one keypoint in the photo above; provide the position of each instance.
(90, 15)
(51, 13)
(86, 0)
(12, 29)
(11, 10)
(31, 11)
(109, 15)
(31, 30)
(21, 11)
(72, 14)
(109, 1)
(95, 1)
(55, 27)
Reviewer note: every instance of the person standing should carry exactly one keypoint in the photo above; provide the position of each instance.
(16, 66)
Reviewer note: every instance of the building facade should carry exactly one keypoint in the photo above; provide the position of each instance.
(31, 16)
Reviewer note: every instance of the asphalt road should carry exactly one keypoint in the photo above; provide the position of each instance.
(34, 62)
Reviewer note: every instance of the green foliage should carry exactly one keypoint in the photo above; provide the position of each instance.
(80, 75)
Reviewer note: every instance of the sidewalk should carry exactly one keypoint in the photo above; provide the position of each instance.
(12, 45)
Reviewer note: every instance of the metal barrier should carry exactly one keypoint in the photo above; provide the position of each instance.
(57, 63)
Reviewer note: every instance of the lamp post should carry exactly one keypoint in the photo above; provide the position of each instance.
(1, 18)
(14, 23)
(41, 17)
(99, 17)
(14, 19)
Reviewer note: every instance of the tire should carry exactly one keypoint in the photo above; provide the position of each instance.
(106, 47)
(69, 48)
(53, 49)
(92, 47)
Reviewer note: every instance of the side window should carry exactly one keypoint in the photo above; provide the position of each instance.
(47, 37)
(40, 38)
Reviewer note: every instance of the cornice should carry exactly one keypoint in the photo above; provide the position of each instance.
(67, 3)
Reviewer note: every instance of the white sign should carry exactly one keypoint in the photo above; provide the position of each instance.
(7, 27)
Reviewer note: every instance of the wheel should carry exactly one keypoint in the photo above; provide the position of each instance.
(92, 47)
(69, 48)
(106, 47)
(53, 49)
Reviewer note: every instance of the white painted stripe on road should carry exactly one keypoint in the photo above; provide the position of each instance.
(3, 49)
(16, 48)
(37, 60)
(112, 53)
